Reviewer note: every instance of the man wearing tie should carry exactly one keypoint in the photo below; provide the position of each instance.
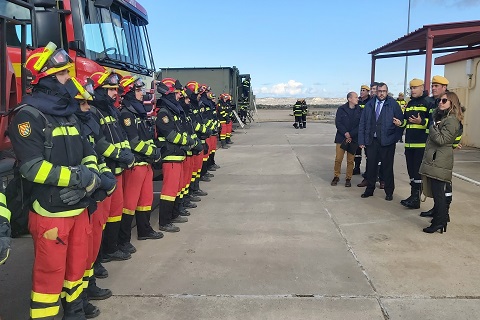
(379, 132)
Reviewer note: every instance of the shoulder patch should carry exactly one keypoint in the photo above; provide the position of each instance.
(24, 129)
(127, 122)
(165, 119)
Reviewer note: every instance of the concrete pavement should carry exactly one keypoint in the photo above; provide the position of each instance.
(273, 240)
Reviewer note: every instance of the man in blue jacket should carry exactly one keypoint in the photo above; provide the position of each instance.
(379, 132)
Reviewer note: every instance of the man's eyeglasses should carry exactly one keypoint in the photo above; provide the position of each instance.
(380, 91)
(444, 100)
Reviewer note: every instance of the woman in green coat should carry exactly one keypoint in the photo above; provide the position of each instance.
(437, 163)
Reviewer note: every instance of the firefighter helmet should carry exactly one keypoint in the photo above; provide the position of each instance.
(130, 82)
(107, 79)
(193, 86)
(47, 61)
(173, 85)
(203, 88)
(85, 86)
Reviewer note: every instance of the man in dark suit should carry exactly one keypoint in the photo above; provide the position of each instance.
(379, 133)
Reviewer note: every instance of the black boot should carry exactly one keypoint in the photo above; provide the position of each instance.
(99, 270)
(229, 141)
(404, 202)
(73, 310)
(181, 209)
(414, 202)
(96, 293)
(429, 213)
(165, 211)
(224, 144)
(125, 234)
(90, 310)
(295, 125)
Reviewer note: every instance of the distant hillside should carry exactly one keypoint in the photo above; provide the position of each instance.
(269, 103)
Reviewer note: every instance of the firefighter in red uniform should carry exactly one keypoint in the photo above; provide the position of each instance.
(207, 107)
(46, 138)
(224, 118)
(118, 156)
(174, 143)
(229, 124)
(91, 132)
(138, 181)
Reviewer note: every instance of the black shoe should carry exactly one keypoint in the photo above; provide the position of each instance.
(189, 205)
(389, 197)
(414, 203)
(194, 198)
(216, 166)
(431, 229)
(356, 171)
(184, 213)
(91, 311)
(127, 247)
(366, 195)
(205, 179)
(210, 175)
(405, 201)
(180, 219)
(169, 228)
(151, 235)
(96, 293)
(229, 141)
(211, 168)
(428, 213)
(200, 193)
(99, 271)
(118, 255)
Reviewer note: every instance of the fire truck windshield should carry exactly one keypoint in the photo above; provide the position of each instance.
(118, 36)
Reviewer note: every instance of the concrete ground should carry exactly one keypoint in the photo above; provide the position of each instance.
(273, 240)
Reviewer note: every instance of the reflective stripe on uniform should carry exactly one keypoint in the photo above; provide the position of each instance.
(45, 213)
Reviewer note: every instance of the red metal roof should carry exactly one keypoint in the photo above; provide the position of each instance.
(446, 35)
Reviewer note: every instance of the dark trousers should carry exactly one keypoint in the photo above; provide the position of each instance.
(440, 205)
(385, 154)
(304, 120)
(298, 121)
(358, 157)
(414, 158)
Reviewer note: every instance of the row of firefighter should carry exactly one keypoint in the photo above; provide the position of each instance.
(86, 150)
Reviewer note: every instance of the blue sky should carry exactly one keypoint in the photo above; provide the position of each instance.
(296, 48)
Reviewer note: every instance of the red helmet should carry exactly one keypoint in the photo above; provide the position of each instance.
(85, 86)
(107, 79)
(46, 61)
(226, 95)
(203, 88)
(193, 86)
(130, 82)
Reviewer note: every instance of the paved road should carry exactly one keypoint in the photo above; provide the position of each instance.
(273, 240)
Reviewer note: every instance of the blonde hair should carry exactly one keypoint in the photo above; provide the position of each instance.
(455, 106)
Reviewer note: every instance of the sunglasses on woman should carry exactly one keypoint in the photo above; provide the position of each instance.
(444, 100)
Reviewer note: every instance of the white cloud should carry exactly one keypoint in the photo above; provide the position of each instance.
(290, 88)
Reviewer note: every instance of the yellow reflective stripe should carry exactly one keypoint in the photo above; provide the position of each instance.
(65, 131)
(109, 151)
(3, 198)
(178, 136)
(4, 212)
(64, 178)
(144, 208)
(114, 219)
(43, 172)
(118, 170)
(128, 211)
(414, 145)
(161, 139)
(44, 313)
(90, 158)
(174, 158)
(44, 297)
(416, 108)
(139, 146)
(417, 126)
(71, 284)
(45, 213)
(168, 198)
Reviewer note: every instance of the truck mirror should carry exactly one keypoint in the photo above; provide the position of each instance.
(78, 46)
(103, 3)
(48, 27)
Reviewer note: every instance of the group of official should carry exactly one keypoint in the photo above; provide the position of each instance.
(87, 149)
(375, 122)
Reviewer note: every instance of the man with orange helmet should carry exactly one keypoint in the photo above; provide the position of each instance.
(223, 112)
(210, 112)
(62, 170)
(138, 197)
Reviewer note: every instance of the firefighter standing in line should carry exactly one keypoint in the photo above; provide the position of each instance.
(118, 156)
(242, 109)
(173, 142)
(304, 113)
(62, 165)
(91, 131)
(297, 113)
(362, 101)
(224, 118)
(138, 191)
(207, 104)
(415, 123)
(246, 89)
(229, 123)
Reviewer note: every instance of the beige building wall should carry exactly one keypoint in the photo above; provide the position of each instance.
(468, 90)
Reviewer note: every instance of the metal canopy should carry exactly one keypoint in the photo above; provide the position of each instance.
(431, 39)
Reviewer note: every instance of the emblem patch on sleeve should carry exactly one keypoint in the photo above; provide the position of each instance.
(127, 122)
(24, 129)
(165, 119)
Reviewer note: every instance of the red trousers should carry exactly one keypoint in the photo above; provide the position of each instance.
(187, 169)
(61, 250)
(223, 131)
(172, 178)
(112, 206)
(229, 129)
(197, 166)
(138, 191)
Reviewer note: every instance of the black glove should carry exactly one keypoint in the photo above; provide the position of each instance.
(89, 181)
(108, 182)
(72, 196)
(198, 146)
(156, 155)
(126, 156)
(99, 195)
(5, 241)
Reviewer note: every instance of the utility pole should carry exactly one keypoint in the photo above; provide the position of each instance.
(406, 57)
